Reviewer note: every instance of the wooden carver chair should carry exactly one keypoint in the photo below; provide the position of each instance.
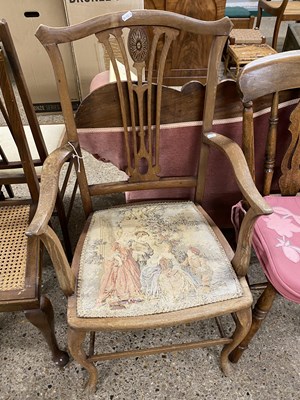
(149, 264)
(276, 237)
(20, 256)
(41, 139)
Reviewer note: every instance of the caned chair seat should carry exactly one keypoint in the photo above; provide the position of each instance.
(243, 54)
(13, 247)
(20, 275)
(239, 55)
(154, 259)
(276, 240)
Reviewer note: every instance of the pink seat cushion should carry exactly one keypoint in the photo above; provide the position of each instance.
(276, 241)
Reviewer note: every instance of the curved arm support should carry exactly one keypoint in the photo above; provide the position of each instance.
(241, 171)
(241, 259)
(257, 205)
(48, 189)
(64, 273)
(39, 224)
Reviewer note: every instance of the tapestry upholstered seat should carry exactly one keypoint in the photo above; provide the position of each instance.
(152, 263)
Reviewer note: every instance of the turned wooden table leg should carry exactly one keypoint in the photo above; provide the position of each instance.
(259, 313)
(43, 319)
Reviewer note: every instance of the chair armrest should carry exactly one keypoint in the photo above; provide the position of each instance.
(49, 189)
(257, 205)
(39, 224)
(241, 171)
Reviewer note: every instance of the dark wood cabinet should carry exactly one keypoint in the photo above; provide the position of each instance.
(188, 59)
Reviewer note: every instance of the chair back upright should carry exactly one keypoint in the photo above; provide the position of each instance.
(282, 160)
(10, 111)
(15, 92)
(132, 40)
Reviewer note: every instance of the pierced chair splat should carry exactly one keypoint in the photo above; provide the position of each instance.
(148, 264)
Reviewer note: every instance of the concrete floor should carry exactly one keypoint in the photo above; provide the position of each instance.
(269, 370)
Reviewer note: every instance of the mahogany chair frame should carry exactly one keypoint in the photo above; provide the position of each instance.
(169, 25)
(21, 257)
(254, 83)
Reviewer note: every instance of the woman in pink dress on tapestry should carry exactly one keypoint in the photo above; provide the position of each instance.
(120, 282)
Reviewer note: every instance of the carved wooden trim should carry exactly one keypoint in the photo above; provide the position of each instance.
(138, 44)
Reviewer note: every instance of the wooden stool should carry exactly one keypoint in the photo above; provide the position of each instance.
(239, 55)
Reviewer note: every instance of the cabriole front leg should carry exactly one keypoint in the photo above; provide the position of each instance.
(43, 319)
(75, 343)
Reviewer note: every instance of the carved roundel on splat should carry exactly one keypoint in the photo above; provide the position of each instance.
(138, 44)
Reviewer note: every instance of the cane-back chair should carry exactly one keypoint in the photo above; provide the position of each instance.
(20, 256)
(41, 139)
(276, 238)
(150, 264)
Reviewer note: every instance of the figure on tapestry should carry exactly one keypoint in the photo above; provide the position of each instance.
(120, 282)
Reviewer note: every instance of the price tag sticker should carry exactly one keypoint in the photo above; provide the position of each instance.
(126, 16)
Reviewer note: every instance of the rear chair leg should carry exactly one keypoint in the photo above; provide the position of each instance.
(43, 319)
(260, 311)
